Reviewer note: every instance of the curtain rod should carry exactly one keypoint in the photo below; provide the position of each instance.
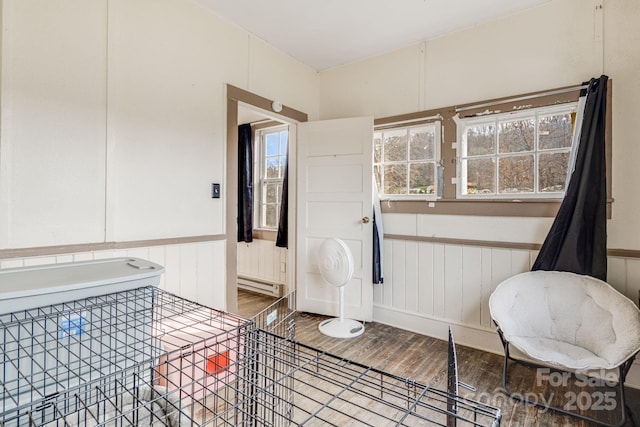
(522, 98)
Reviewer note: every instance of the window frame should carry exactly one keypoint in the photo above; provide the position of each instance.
(535, 113)
(261, 180)
(436, 124)
(448, 204)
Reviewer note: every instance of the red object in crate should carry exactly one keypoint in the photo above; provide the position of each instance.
(200, 357)
(218, 363)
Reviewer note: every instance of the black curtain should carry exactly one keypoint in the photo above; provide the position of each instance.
(282, 239)
(245, 183)
(377, 256)
(378, 235)
(577, 241)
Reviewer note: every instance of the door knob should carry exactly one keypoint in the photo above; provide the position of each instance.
(365, 220)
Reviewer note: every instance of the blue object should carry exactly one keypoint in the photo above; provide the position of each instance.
(73, 326)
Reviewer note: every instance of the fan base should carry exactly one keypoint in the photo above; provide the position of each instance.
(341, 328)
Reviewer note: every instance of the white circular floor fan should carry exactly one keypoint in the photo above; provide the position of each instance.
(336, 266)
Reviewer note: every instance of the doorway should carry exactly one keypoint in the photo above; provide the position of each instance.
(246, 107)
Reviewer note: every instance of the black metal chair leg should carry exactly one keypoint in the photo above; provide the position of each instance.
(623, 369)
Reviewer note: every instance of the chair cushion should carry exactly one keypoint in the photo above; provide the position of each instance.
(558, 353)
(566, 319)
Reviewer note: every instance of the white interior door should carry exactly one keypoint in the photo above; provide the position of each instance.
(334, 196)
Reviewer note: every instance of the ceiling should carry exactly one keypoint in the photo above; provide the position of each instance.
(328, 33)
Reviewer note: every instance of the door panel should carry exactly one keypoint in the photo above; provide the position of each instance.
(334, 195)
(334, 178)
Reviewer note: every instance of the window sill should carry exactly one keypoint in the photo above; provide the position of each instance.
(534, 208)
(415, 198)
(521, 208)
(265, 234)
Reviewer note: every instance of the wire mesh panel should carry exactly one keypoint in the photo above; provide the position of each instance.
(147, 357)
(58, 359)
(54, 348)
(293, 384)
(279, 318)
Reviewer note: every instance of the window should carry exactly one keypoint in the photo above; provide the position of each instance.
(272, 163)
(514, 155)
(406, 160)
(483, 168)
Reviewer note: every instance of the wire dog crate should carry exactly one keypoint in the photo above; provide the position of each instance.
(295, 384)
(147, 357)
(129, 358)
(279, 318)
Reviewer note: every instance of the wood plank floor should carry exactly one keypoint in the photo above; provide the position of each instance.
(423, 359)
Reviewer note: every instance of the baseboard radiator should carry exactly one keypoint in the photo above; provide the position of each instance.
(261, 286)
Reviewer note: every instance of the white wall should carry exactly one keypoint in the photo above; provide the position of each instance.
(113, 119)
(429, 286)
(262, 260)
(52, 167)
(556, 44)
(560, 43)
(114, 122)
(545, 47)
(622, 61)
(192, 270)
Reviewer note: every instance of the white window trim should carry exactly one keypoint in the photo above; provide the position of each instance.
(259, 214)
(460, 147)
(437, 125)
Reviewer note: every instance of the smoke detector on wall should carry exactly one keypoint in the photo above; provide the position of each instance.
(276, 106)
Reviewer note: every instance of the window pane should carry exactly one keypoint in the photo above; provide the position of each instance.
(377, 172)
(271, 192)
(421, 143)
(271, 218)
(377, 147)
(516, 174)
(516, 136)
(395, 179)
(481, 139)
(554, 131)
(529, 156)
(284, 137)
(272, 167)
(552, 172)
(421, 178)
(481, 176)
(395, 146)
(272, 144)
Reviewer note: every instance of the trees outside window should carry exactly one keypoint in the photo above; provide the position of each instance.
(272, 164)
(516, 154)
(406, 160)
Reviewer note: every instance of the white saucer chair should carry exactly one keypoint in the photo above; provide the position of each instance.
(335, 262)
(569, 322)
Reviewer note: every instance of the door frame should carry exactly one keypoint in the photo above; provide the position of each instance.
(235, 96)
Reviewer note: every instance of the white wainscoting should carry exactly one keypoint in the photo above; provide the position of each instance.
(262, 261)
(195, 271)
(431, 286)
